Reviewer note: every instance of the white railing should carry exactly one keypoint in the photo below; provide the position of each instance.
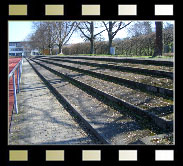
(18, 69)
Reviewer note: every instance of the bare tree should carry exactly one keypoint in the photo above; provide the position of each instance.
(43, 36)
(113, 28)
(139, 28)
(87, 31)
(137, 31)
(64, 31)
(147, 27)
(50, 35)
(142, 45)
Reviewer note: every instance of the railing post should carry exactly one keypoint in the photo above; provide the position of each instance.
(15, 96)
(18, 81)
(20, 73)
(21, 64)
(20, 70)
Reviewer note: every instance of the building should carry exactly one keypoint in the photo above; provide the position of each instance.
(35, 52)
(20, 49)
(16, 49)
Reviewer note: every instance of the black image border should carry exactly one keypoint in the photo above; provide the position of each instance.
(36, 11)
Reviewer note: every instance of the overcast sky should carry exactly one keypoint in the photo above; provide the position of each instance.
(19, 30)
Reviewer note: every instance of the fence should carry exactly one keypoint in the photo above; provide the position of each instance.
(18, 69)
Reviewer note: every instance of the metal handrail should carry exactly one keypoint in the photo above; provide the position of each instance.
(17, 68)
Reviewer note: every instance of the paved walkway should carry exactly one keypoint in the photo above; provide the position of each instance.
(42, 119)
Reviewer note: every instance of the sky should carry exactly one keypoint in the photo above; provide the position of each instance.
(19, 30)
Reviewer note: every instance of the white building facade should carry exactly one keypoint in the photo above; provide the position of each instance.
(35, 52)
(16, 49)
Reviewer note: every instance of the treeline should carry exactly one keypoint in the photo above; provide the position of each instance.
(51, 34)
(141, 45)
(52, 37)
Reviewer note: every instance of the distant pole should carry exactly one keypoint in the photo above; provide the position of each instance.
(61, 51)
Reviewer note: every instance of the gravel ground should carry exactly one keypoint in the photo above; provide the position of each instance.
(158, 105)
(115, 127)
(154, 81)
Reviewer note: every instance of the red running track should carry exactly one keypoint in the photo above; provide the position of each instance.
(12, 64)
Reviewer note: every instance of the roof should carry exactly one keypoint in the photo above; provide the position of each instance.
(16, 41)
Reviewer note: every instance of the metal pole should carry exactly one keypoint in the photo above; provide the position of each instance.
(15, 96)
(20, 72)
(18, 88)
(21, 67)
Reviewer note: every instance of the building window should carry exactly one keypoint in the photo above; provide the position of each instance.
(12, 44)
(18, 54)
(18, 45)
(16, 49)
(11, 54)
